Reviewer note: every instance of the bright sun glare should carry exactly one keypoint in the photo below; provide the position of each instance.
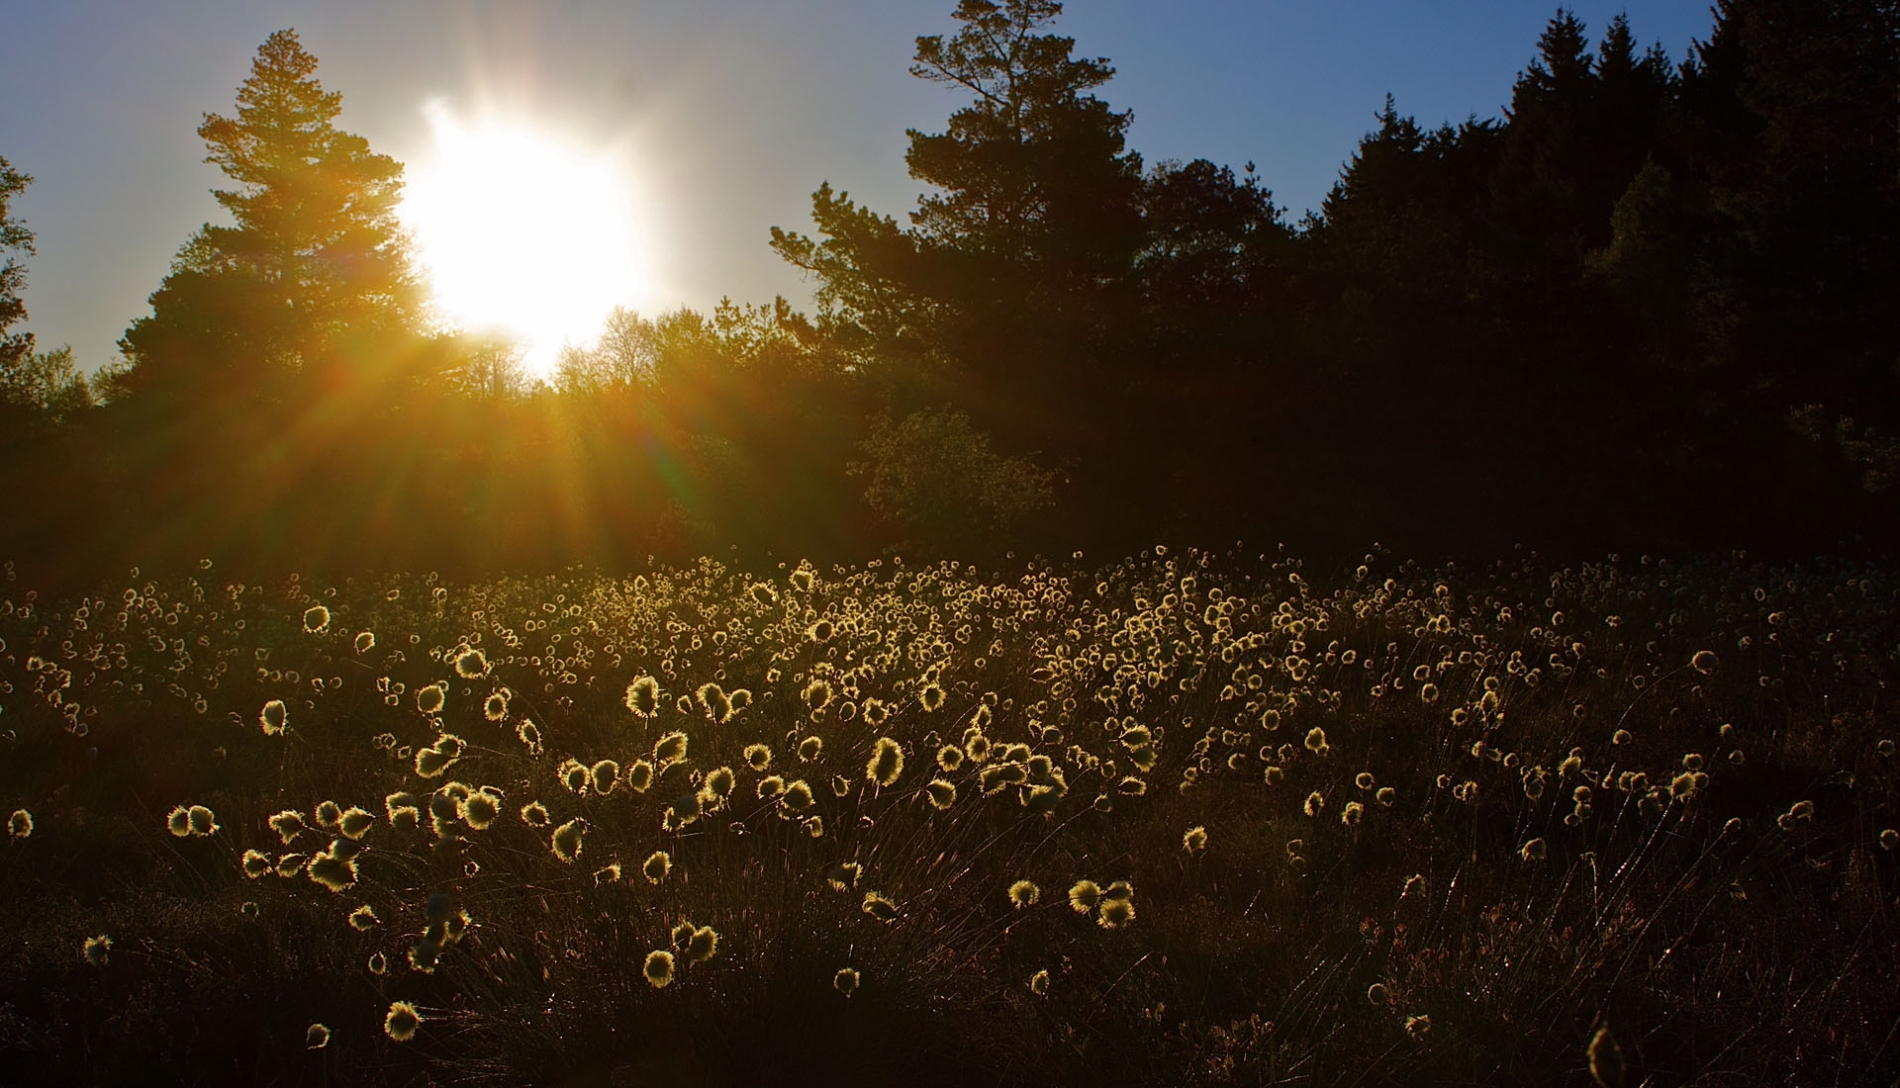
(523, 234)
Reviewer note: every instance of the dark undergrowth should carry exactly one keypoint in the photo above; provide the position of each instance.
(1628, 822)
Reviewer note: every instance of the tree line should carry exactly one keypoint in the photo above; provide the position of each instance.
(1651, 306)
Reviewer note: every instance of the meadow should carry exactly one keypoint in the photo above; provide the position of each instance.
(1182, 818)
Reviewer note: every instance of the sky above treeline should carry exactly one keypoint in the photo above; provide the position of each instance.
(726, 113)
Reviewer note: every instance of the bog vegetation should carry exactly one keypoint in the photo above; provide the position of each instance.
(1185, 818)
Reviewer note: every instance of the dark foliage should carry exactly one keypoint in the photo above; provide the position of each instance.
(1649, 307)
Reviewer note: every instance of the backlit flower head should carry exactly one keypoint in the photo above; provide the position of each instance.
(529, 734)
(714, 702)
(877, 906)
(658, 968)
(817, 694)
(639, 776)
(432, 761)
(288, 824)
(331, 871)
(930, 697)
(256, 864)
(703, 945)
(1084, 895)
(495, 707)
(401, 1022)
(574, 775)
(316, 619)
(797, 797)
(656, 866)
(886, 762)
(643, 696)
(566, 841)
(480, 809)
(471, 663)
(328, 814)
(353, 823)
(670, 748)
(604, 776)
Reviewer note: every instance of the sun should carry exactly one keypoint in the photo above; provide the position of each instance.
(522, 233)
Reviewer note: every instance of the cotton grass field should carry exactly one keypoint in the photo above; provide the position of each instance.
(1187, 818)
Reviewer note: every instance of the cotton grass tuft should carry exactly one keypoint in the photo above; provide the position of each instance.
(886, 762)
(1024, 894)
(401, 1022)
(658, 968)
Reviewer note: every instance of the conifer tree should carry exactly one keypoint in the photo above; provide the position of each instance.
(312, 271)
(15, 238)
(1033, 184)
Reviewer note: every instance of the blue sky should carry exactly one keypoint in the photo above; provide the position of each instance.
(732, 111)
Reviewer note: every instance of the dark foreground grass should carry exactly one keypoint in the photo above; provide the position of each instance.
(1628, 822)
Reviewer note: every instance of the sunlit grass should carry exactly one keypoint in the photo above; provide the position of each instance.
(860, 783)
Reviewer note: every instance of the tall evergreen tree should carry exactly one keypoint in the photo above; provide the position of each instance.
(1034, 168)
(1536, 194)
(312, 271)
(1035, 214)
(15, 239)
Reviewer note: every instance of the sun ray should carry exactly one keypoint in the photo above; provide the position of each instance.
(523, 233)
